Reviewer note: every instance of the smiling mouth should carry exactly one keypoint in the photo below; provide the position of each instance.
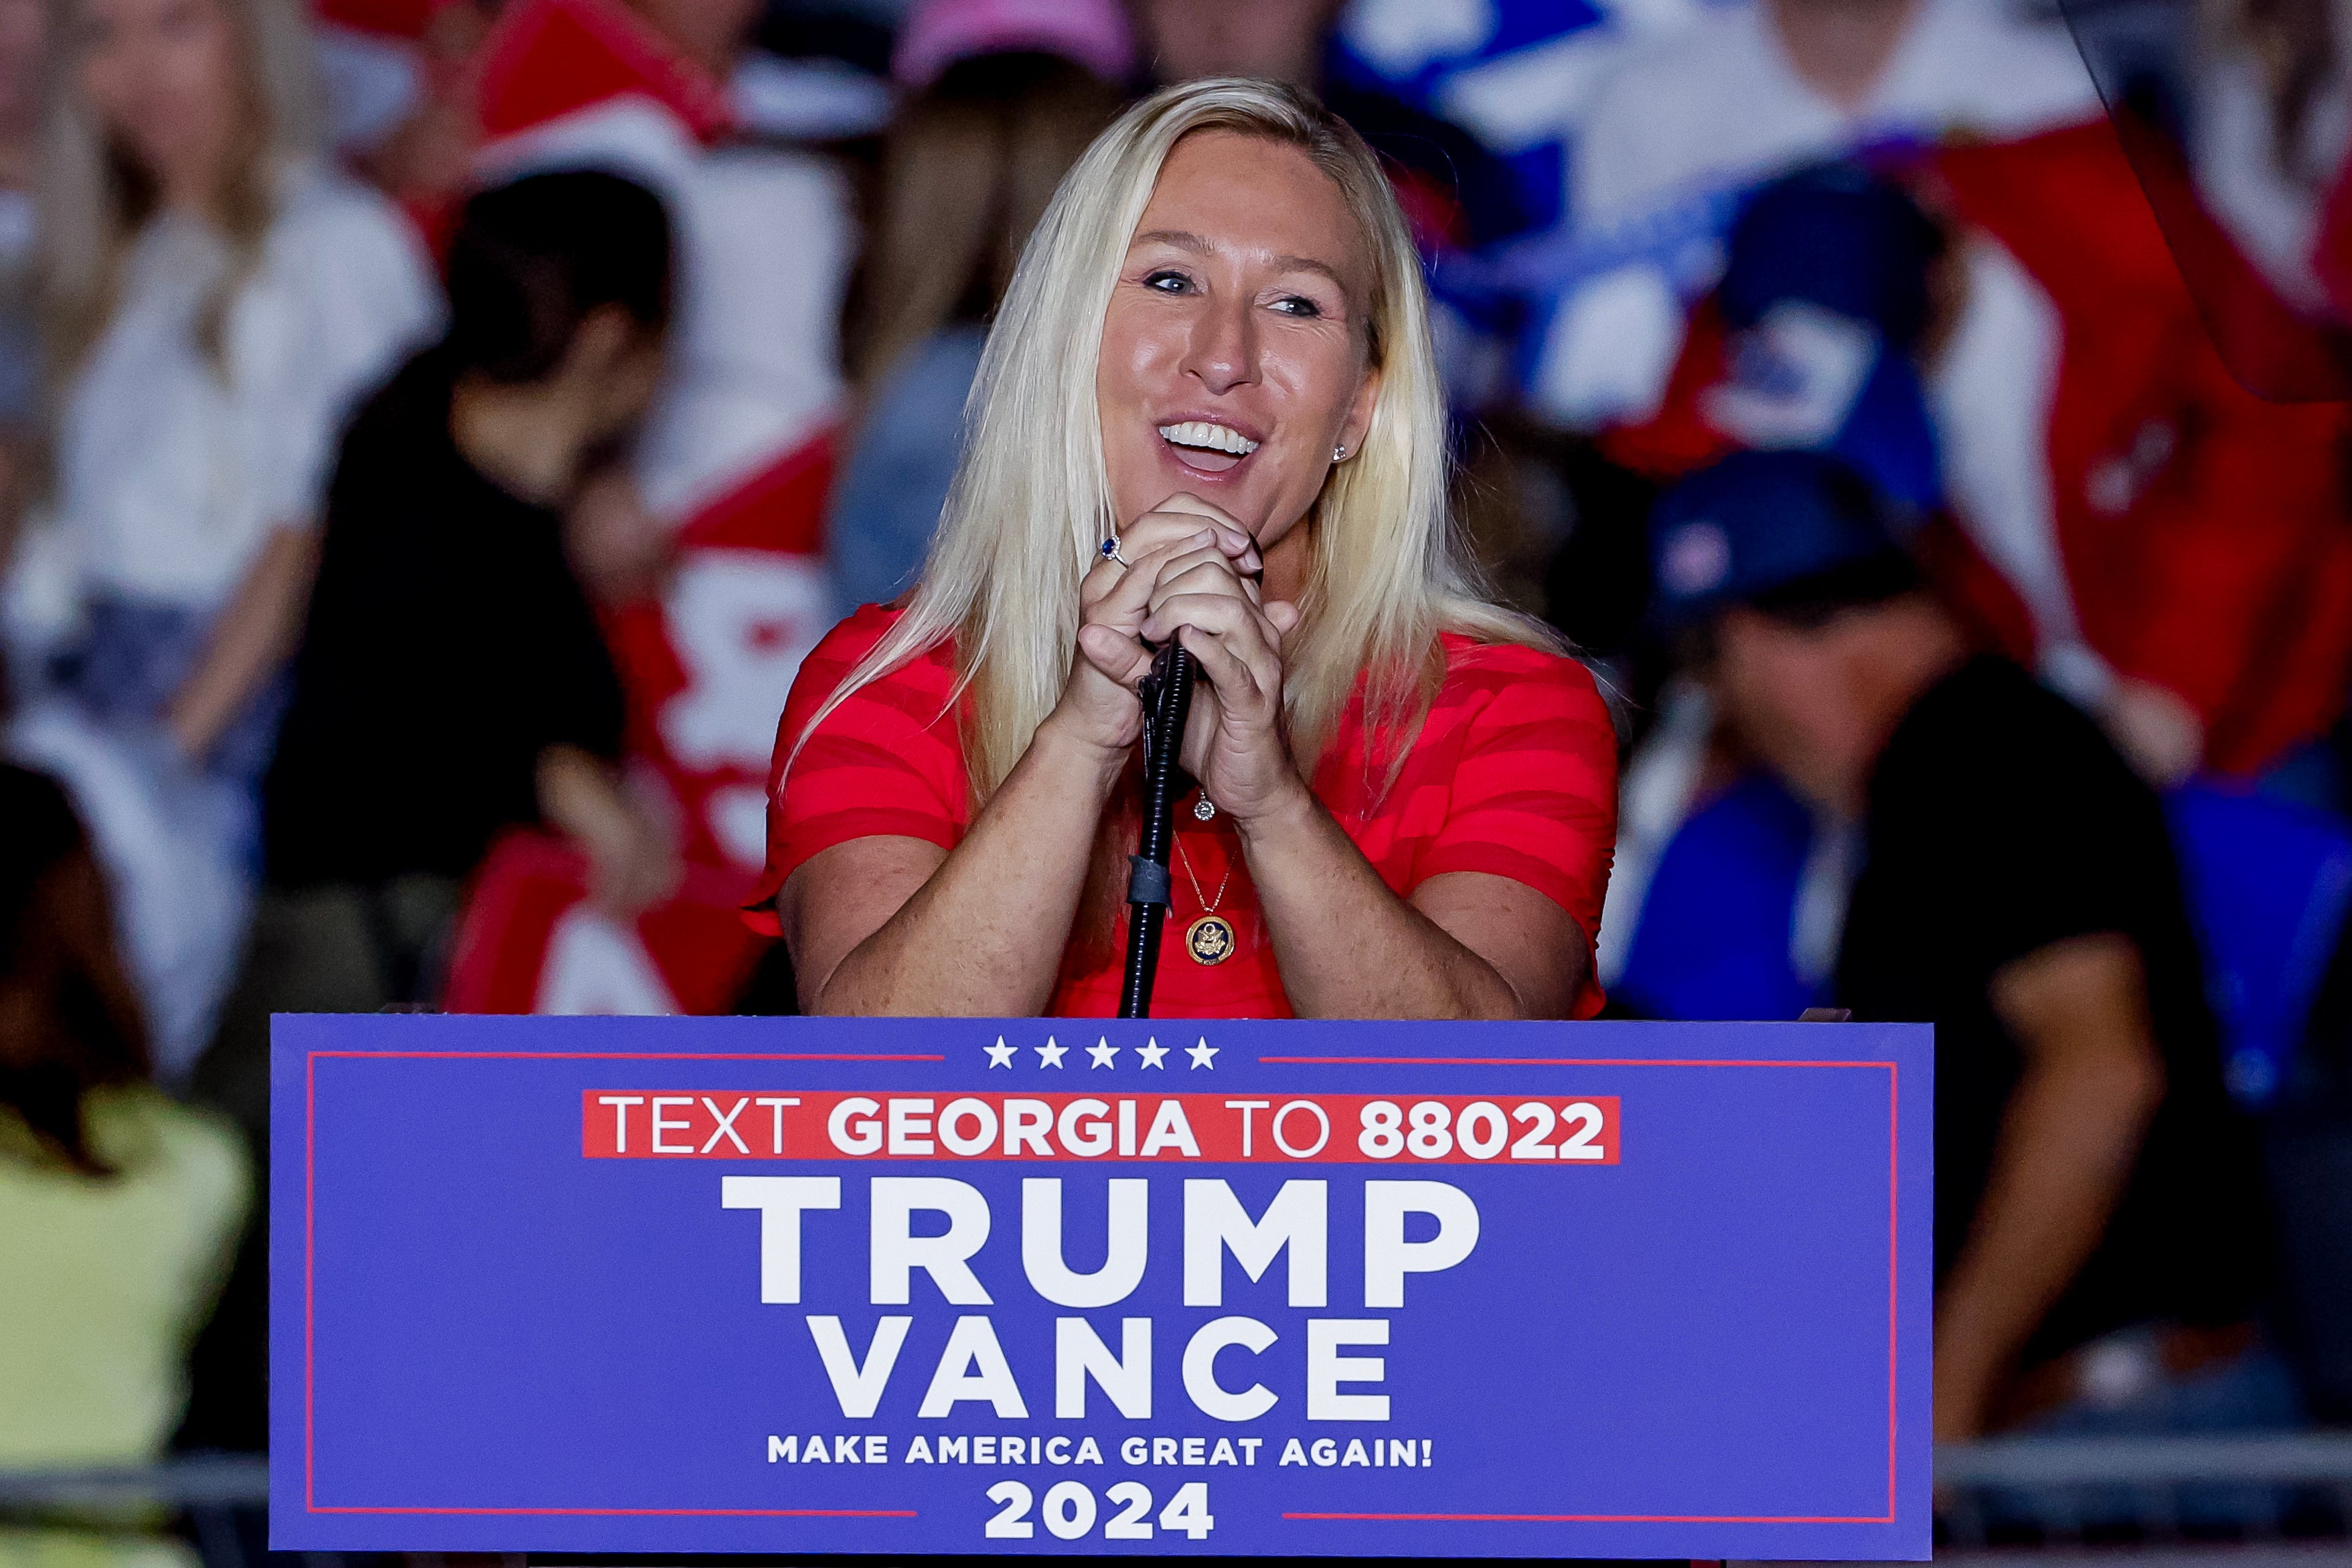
(1208, 446)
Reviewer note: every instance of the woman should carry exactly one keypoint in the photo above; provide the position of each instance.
(1001, 109)
(454, 685)
(1208, 412)
(213, 299)
(120, 1206)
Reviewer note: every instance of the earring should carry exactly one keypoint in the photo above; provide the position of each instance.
(1339, 454)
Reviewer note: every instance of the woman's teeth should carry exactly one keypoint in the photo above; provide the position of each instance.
(1214, 437)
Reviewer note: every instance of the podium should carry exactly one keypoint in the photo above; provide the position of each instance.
(1049, 1286)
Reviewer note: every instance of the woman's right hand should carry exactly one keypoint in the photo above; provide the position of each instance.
(1100, 705)
(633, 863)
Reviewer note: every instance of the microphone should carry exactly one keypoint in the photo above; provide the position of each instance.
(1166, 694)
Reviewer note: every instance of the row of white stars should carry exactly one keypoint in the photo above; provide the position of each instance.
(1050, 1054)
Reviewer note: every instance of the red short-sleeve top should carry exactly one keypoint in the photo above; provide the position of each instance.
(1513, 772)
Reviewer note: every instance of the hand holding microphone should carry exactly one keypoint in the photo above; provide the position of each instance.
(1188, 577)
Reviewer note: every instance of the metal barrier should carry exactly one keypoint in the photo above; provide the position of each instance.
(2145, 1492)
(218, 1500)
(198, 1480)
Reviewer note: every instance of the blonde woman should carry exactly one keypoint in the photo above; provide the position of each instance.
(212, 300)
(1208, 412)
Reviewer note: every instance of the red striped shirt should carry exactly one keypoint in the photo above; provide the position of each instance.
(1513, 772)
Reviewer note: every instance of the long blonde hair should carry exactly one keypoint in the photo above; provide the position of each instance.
(95, 197)
(1031, 502)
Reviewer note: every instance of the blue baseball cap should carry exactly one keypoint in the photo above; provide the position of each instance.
(1825, 287)
(1837, 236)
(1755, 526)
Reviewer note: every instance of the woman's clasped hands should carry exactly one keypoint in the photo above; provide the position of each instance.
(1187, 570)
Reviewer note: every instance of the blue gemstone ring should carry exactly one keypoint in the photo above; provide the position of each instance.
(1111, 551)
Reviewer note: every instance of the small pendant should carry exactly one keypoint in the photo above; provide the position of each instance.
(1203, 809)
(1210, 939)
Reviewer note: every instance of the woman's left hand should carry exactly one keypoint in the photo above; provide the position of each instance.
(1235, 741)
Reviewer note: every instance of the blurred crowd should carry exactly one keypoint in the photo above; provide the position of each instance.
(432, 432)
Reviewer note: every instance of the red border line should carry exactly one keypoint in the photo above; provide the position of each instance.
(640, 1055)
(655, 1512)
(1549, 1062)
(1894, 1170)
(309, 1252)
(1602, 1517)
(310, 1212)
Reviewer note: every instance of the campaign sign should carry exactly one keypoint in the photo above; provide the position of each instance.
(808, 1286)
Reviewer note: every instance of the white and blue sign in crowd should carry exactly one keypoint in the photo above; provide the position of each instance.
(787, 1286)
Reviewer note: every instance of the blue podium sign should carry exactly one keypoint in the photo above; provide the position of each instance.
(662, 1286)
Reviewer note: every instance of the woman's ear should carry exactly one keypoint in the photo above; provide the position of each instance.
(1360, 414)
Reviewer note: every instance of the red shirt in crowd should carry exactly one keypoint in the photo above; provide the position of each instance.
(1513, 772)
(2204, 530)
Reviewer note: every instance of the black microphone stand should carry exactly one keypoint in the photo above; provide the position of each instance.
(1166, 698)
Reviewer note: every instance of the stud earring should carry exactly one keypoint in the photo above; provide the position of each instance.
(1339, 454)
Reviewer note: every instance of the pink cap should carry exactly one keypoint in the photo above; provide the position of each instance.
(1090, 33)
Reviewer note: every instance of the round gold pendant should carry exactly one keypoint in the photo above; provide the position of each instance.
(1210, 939)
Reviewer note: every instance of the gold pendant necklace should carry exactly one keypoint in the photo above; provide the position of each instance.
(1210, 939)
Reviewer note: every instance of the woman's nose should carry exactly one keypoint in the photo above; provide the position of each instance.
(1223, 354)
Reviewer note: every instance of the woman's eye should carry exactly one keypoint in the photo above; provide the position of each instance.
(1297, 305)
(1167, 282)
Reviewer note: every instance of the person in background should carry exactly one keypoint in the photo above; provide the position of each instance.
(213, 299)
(22, 53)
(2097, 1206)
(400, 76)
(1280, 40)
(452, 681)
(2157, 543)
(1685, 137)
(1455, 191)
(1005, 94)
(1815, 338)
(2164, 546)
(706, 544)
(1753, 91)
(118, 1208)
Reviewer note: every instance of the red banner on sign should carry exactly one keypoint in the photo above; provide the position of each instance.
(1210, 1129)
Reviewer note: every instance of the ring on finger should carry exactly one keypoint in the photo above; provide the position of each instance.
(1111, 551)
